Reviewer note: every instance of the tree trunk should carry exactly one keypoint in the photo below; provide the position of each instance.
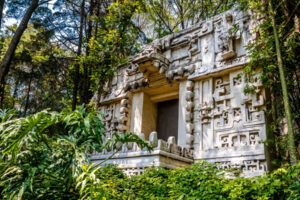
(2, 89)
(97, 103)
(84, 97)
(1, 10)
(15, 93)
(98, 5)
(28, 92)
(77, 66)
(291, 140)
(4, 67)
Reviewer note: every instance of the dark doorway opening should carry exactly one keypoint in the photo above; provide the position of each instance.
(167, 119)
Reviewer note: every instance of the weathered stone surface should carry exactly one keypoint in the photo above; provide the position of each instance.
(134, 159)
(202, 67)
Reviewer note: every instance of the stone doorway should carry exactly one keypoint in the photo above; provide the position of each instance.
(167, 119)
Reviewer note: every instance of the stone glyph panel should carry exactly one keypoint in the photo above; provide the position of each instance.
(229, 124)
(115, 118)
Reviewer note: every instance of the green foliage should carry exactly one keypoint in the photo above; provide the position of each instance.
(263, 57)
(198, 181)
(36, 80)
(167, 17)
(115, 39)
(44, 154)
(7, 114)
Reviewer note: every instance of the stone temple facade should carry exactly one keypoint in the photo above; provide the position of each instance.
(184, 94)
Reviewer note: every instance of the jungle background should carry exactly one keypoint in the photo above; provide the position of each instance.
(56, 56)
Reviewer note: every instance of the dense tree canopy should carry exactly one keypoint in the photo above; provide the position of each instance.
(80, 30)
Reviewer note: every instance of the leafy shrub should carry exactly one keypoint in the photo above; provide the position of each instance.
(43, 155)
(198, 181)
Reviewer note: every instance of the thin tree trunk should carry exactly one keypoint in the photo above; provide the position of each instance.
(99, 93)
(97, 14)
(291, 140)
(85, 89)
(15, 93)
(4, 67)
(28, 92)
(94, 10)
(2, 93)
(76, 77)
(1, 10)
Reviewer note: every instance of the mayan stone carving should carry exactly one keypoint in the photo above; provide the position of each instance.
(189, 112)
(200, 70)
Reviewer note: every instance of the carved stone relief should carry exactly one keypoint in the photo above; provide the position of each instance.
(249, 168)
(224, 38)
(110, 120)
(229, 121)
(189, 112)
(124, 115)
(221, 123)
